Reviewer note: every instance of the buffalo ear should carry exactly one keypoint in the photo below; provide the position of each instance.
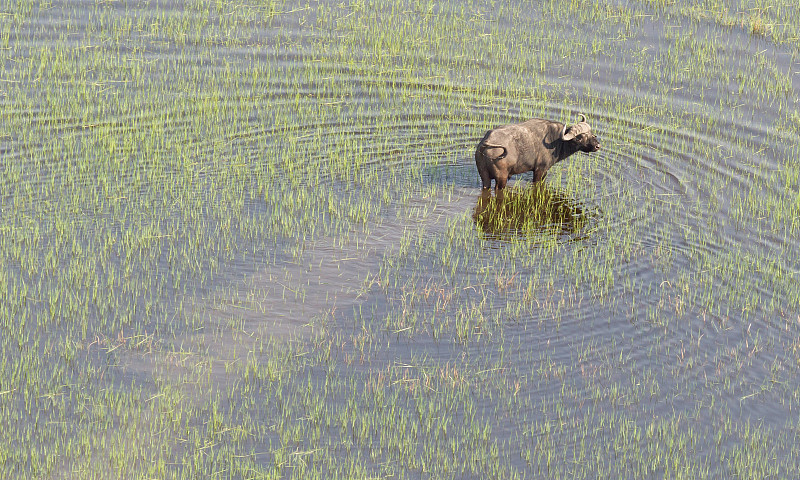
(567, 134)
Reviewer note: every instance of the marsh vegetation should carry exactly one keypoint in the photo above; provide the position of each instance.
(247, 240)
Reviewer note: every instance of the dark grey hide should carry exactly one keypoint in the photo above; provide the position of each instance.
(531, 146)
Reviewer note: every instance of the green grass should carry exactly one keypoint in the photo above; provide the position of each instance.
(246, 240)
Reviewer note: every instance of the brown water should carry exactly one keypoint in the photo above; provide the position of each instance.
(301, 177)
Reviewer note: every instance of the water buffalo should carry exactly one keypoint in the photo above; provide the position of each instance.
(534, 145)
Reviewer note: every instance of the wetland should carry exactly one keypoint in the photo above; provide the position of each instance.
(247, 239)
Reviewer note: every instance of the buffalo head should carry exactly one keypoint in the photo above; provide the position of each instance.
(581, 135)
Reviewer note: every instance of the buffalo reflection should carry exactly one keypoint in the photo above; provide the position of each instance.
(536, 212)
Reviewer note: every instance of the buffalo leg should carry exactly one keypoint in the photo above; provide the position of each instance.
(486, 179)
(500, 182)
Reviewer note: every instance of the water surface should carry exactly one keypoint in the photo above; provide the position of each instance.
(249, 241)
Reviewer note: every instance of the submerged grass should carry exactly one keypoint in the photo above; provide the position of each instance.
(246, 241)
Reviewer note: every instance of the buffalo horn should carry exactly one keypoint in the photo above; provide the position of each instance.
(575, 130)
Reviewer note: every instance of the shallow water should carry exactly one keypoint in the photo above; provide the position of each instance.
(251, 240)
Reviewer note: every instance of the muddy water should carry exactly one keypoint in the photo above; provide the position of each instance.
(317, 162)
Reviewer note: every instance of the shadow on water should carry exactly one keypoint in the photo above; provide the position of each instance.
(538, 213)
